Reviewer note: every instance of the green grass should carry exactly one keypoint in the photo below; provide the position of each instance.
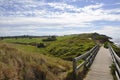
(113, 68)
(70, 47)
(31, 49)
(59, 38)
(116, 49)
(65, 47)
(23, 40)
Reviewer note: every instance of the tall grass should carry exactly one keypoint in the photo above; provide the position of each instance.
(20, 65)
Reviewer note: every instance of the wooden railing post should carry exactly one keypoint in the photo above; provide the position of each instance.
(74, 69)
(85, 69)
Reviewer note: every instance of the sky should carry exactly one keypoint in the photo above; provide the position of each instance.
(59, 17)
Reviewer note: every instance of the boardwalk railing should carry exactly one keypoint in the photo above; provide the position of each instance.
(87, 58)
(116, 61)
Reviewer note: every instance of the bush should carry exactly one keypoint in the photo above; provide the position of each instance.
(106, 45)
(33, 43)
(50, 38)
(40, 45)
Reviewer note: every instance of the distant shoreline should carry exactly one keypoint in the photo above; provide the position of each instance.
(117, 44)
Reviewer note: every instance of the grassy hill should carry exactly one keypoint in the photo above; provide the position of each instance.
(70, 47)
(52, 62)
(20, 65)
(66, 47)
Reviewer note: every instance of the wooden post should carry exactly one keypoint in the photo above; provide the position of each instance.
(85, 69)
(74, 69)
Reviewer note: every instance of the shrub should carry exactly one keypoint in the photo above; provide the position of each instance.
(106, 45)
(50, 38)
(40, 45)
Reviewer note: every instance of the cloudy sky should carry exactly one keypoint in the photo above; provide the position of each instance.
(59, 17)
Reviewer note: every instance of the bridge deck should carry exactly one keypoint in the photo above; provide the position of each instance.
(100, 68)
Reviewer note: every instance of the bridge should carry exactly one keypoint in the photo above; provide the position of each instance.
(96, 64)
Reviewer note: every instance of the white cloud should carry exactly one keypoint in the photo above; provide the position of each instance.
(117, 10)
(97, 6)
(64, 6)
(113, 31)
(42, 16)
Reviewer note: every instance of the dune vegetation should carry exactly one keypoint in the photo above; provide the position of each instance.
(20, 65)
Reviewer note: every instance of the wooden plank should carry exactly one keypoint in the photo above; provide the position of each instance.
(99, 69)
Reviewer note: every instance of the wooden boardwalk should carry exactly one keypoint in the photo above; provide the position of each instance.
(100, 69)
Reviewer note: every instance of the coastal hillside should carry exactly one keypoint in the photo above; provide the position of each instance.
(46, 58)
(66, 47)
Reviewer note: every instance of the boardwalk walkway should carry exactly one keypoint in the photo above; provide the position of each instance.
(100, 68)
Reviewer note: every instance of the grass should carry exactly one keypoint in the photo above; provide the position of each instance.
(65, 47)
(26, 62)
(28, 40)
(113, 68)
(22, 40)
(70, 48)
(16, 64)
(30, 49)
(116, 49)
(59, 38)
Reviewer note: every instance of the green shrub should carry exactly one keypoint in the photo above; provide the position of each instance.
(106, 45)
(40, 45)
(50, 38)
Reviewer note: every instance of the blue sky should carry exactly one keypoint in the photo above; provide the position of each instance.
(59, 17)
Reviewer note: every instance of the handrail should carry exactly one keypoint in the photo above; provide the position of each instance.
(88, 58)
(116, 61)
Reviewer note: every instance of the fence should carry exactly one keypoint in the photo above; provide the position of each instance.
(116, 61)
(87, 58)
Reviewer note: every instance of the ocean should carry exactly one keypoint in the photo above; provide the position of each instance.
(116, 41)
